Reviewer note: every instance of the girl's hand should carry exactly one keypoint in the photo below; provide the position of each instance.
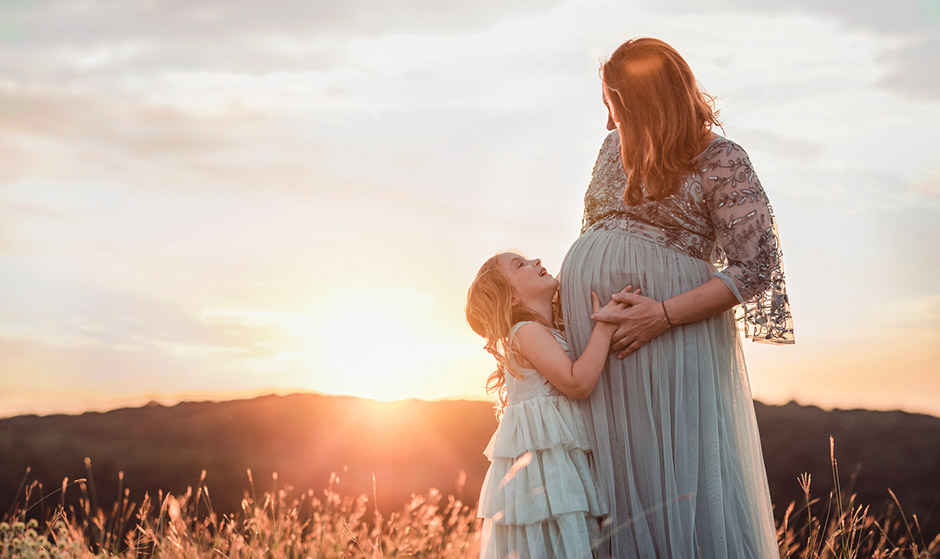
(640, 319)
(611, 306)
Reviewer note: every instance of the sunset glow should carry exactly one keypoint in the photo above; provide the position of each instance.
(373, 343)
(231, 204)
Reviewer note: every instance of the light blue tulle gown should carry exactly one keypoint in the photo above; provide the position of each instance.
(673, 426)
(539, 498)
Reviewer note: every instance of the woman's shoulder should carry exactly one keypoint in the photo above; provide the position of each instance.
(725, 167)
(611, 143)
(721, 149)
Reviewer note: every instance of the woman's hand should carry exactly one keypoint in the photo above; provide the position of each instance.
(640, 319)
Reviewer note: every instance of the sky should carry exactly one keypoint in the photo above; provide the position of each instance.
(229, 198)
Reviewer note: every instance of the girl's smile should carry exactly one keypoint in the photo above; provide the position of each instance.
(531, 283)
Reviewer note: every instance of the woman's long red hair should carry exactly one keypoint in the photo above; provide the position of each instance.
(663, 118)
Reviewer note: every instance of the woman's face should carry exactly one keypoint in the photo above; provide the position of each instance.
(611, 124)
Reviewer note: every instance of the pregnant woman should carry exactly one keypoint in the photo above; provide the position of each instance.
(676, 210)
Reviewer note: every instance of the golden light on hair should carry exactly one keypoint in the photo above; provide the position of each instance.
(491, 313)
(663, 117)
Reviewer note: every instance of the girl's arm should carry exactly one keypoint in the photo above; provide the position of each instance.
(540, 348)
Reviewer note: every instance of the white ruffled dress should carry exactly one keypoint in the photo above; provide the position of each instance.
(539, 499)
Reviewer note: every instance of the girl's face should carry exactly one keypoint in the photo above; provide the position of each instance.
(530, 282)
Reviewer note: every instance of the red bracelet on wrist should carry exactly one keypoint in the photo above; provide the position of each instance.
(669, 322)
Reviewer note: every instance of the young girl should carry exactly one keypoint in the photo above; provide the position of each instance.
(538, 499)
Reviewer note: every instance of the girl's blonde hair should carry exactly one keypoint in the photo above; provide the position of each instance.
(666, 118)
(491, 314)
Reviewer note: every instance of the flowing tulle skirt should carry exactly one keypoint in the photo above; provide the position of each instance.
(673, 425)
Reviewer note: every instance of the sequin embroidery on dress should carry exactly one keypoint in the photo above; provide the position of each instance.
(715, 216)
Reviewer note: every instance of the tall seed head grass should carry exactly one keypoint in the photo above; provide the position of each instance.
(284, 523)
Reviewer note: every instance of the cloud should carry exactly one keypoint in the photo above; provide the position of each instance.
(68, 312)
(779, 144)
(907, 33)
(899, 17)
(73, 21)
(906, 317)
(94, 139)
(237, 35)
(914, 70)
(38, 375)
(929, 185)
(111, 118)
(15, 213)
(910, 39)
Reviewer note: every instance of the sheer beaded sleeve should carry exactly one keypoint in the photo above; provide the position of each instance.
(747, 244)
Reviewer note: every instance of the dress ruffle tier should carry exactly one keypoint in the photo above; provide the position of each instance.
(539, 423)
(539, 497)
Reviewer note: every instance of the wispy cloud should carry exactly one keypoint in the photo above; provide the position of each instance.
(929, 185)
(907, 34)
(74, 38)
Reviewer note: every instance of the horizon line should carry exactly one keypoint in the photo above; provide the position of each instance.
(164, 400)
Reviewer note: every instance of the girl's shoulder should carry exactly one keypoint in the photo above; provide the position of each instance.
(517, 326)
(514, 351)
(556, 333)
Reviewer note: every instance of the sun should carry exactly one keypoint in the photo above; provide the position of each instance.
(379, 344)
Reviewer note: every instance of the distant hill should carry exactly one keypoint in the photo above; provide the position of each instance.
(413, 445)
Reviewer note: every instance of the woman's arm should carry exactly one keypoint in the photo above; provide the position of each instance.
(575, 379)
(746, 236)
(646, 318)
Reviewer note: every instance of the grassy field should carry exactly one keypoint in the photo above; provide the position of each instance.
(283, 522)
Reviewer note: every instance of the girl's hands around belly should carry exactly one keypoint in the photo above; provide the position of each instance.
(641, 321)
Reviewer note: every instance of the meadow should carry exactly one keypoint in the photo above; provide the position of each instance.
(252, 478)
(283, 522)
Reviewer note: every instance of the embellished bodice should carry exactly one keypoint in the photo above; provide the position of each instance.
(719, 214)
(680, 221)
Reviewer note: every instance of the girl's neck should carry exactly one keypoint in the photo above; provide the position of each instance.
(545, 310)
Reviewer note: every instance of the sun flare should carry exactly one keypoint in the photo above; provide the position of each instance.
(383, 346)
